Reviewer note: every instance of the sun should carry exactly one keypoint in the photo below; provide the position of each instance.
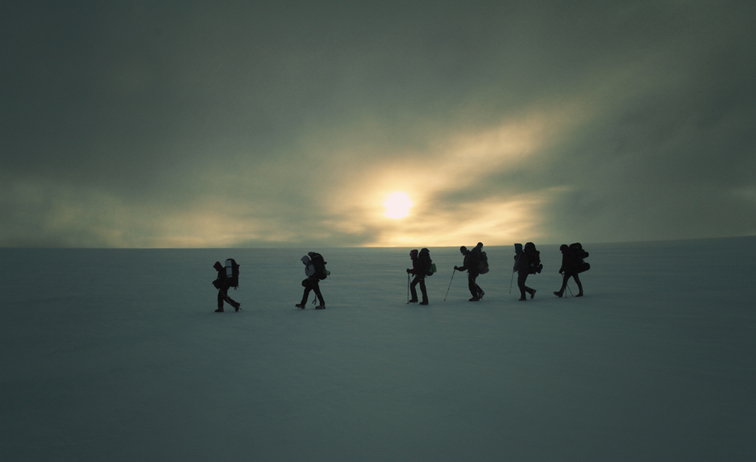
(397, 205)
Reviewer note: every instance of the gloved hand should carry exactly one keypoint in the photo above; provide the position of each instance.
(409, 271)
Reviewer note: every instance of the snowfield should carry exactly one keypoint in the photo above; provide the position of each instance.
(117, 355)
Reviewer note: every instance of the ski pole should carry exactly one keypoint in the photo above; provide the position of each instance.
(450, 281)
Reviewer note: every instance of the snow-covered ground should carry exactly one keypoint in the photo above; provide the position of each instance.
(117, 355)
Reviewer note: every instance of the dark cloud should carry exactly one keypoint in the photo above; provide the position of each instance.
(133, 124)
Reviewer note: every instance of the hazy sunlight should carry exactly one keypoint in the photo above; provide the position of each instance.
(397, 205)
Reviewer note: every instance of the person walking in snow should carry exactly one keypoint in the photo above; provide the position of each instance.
(222, 284)
(471, 264)
(529, 263)
(572, 264)
(419, 272)
(312, 281)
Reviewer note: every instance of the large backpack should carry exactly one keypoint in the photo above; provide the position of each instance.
(478, 260)
(320, 265)
(577, 254)
(482, 263)
(232, 273)
(534, 257)
(426, 264)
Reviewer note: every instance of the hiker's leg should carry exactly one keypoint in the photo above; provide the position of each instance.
(565, 278)
(521, 278)
(423, 291)
(471, 285)
(577, 281)
(316, 288)
(306, 294)
(221, 297)
(413, 288)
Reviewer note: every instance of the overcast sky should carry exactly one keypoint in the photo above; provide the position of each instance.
(287, 123)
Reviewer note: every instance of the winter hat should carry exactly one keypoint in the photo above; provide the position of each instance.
(413, 253)
(463, 249)
(563, 247)
(218, 266)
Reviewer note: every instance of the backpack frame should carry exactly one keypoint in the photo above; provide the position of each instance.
(232, 273)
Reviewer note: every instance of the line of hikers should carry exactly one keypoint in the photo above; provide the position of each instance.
(228, 277)
(527, 262)
(475, 262)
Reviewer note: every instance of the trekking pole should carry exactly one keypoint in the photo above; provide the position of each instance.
(568, 288)
(450, 281)
(408, 284)
(510, 282)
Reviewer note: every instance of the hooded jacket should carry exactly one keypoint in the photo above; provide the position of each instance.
(416, 266)
(309, 266)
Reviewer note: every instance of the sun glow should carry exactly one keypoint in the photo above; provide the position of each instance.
(397, 205)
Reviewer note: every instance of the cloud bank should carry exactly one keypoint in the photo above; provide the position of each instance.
(196, 125)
